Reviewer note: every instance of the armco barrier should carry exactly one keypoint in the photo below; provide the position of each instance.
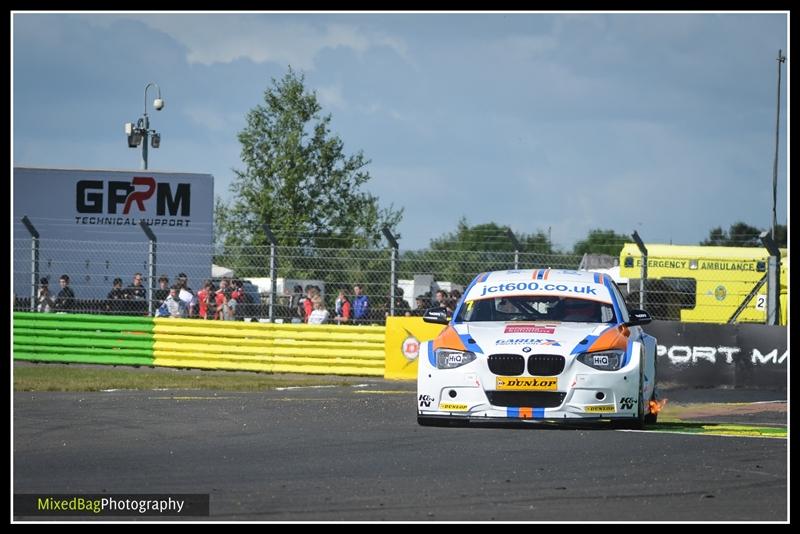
(234, 345)
(277, 348)
(83, 338)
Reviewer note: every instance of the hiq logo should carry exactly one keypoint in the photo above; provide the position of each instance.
(92, 195)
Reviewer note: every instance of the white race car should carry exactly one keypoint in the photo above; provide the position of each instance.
(538, 345)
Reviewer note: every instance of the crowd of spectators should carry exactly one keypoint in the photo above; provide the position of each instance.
(229, 301)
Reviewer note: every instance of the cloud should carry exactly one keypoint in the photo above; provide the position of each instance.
(214, 120)
(283, 39)
(330, 96)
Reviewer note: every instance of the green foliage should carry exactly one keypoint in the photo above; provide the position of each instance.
(601, 242)
(298, 180)
(741, 234)
(490, 237)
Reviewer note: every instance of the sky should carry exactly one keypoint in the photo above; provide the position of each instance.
(663, 123)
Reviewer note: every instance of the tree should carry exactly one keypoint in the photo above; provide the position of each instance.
(297, 179)
(489, 237)
(741, 235)
(601, 242)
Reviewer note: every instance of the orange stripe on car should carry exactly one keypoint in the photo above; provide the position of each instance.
(526, 413)
(613, 338)
(448, 339)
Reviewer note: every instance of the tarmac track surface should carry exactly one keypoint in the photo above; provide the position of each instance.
(356, 453)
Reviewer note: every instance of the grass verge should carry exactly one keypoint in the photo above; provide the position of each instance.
(68, 378)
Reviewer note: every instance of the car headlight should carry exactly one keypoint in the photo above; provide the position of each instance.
(450, 359)
(607, 360)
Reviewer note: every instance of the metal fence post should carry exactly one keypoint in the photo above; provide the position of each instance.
(273, 271)
(643, 250)
(34, 259)
(514, 242)
(151, 266)
(393, 275)
(773, 278)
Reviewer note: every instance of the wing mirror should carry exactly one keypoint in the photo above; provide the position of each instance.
(436, 315)
(639, 317)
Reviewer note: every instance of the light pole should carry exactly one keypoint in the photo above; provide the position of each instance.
(781, 59)
(141, 131)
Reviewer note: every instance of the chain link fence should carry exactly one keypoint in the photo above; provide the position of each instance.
(92, 267)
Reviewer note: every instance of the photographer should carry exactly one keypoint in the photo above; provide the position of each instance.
(44, 301)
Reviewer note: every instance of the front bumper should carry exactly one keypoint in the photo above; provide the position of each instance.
(471, 394)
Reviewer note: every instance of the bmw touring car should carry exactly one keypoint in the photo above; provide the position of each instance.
(539, 345)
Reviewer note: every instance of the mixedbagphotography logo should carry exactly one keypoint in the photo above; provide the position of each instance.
(40, 504)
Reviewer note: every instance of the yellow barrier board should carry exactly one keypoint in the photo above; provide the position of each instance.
(404, 338)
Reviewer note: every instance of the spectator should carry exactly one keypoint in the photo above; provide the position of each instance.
(442, 301)
(455, 296)
(186, 294)
(65, 300)
(401, 307)
(308, 303)
(173, 306)
(421, 304)
(342, 311)
(207, 301)
(227, 309)
(243, 299)
(320, 314)
(137, 294)
(360, 305)
(115, 299)
(161, 294)
(297, 305)
(44, 300)
(136, 291)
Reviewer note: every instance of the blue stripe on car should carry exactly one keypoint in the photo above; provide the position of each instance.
(538, 413)
(628, 352)
(512, 412)
(431, 355)
(581, 347)
(607, 282)
(471, 346)
(466, 292)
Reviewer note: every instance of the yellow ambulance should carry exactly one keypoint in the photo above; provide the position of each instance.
(703, 284)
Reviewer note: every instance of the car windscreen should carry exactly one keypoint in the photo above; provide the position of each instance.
(536, 308)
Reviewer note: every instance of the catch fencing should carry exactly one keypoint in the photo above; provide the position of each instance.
(396, 282)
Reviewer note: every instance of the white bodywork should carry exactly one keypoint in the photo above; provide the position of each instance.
(480, 391)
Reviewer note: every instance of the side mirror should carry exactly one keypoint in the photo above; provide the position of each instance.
(639, 317)
(436, 315)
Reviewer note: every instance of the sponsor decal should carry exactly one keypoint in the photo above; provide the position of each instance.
(684, 355)
(704, 265)
(425, 401)
(530, 329)
(410, 348)
(528, 341)
(600, 408)
(538, 286)
(93, 195)
(523, 383)
(626, 403)
(453, 407)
